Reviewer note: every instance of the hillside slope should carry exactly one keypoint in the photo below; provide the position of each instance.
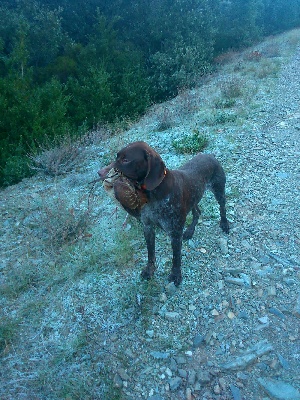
(76, 320)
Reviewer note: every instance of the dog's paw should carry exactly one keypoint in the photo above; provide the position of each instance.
(224, 226)
(176, 278)
(148, 272)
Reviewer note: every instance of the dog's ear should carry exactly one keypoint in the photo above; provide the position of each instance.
(156, 170)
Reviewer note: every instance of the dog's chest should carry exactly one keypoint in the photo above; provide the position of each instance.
(162, 213)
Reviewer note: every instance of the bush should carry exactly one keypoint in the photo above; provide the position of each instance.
(57, 158)
(194, 143)
(63, 223)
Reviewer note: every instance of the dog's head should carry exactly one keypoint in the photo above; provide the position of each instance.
(139, 162)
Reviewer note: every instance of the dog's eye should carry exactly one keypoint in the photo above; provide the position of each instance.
(124, 160)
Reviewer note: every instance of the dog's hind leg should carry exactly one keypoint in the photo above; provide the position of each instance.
(218, 189)
(188, 233)
(175, 275)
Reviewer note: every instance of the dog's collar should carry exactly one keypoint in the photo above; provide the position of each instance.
(144, 187)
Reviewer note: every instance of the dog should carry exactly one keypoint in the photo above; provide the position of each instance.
(169, 195)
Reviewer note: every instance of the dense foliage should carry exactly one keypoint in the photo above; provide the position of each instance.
(66, 66)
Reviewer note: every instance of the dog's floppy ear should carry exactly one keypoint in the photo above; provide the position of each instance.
(156, 170)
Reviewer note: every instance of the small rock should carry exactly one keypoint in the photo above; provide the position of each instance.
(272, 291)
(284, 363)
(279, 390)
(175, 383)
(264, 320)
(243, 314)
(180, 360)
(276, 312)
(235, 281)
(233, 271)
(163, 298)
(173, 365)
(171, 289)
(123, 374)
(208, 336)
(236, 393)
(155, 397)
(188, 394)
(159, 355)
(220, 284)
(118, 381)
(203, 377)
(192, 377)
(150, 333)
(230, 315)
(248, 357)
(223, 244)
(197, 341)
(169, 372)
(242, 376)
(222, 383)
(247, 280)
(129, 353)
(182, 373)
(217, 389)
(171, 315)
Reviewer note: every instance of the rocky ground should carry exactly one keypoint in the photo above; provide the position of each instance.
(77, 321)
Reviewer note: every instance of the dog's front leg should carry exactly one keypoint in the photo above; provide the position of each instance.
(175, 276)
(149, 233)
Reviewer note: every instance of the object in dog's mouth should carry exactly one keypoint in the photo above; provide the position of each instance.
(108, 182)
(121, 188)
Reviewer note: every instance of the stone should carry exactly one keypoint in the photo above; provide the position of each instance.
(172, 315)
(175, 383)
(203, 377)
(159, 355)
(249, 357)
(276, 312)
(236, 393)
(197, 341)
(182, 373)
(123, 374)
(223, 244)
(171, 289)
(188, 394)
(173, 365)
(279, 390)
(118, 381)
(192, 377)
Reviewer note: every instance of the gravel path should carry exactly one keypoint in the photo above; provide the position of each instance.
(77, 322)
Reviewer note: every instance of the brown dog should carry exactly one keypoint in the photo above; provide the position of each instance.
(170, 195)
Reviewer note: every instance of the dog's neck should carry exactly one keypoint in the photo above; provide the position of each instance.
(165, 186)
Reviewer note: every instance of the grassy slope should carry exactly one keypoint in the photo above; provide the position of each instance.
(70, 273)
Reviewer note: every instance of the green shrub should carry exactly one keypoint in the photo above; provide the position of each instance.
(193, 143)
(231, 89)
(219, 118)
(7, 332)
